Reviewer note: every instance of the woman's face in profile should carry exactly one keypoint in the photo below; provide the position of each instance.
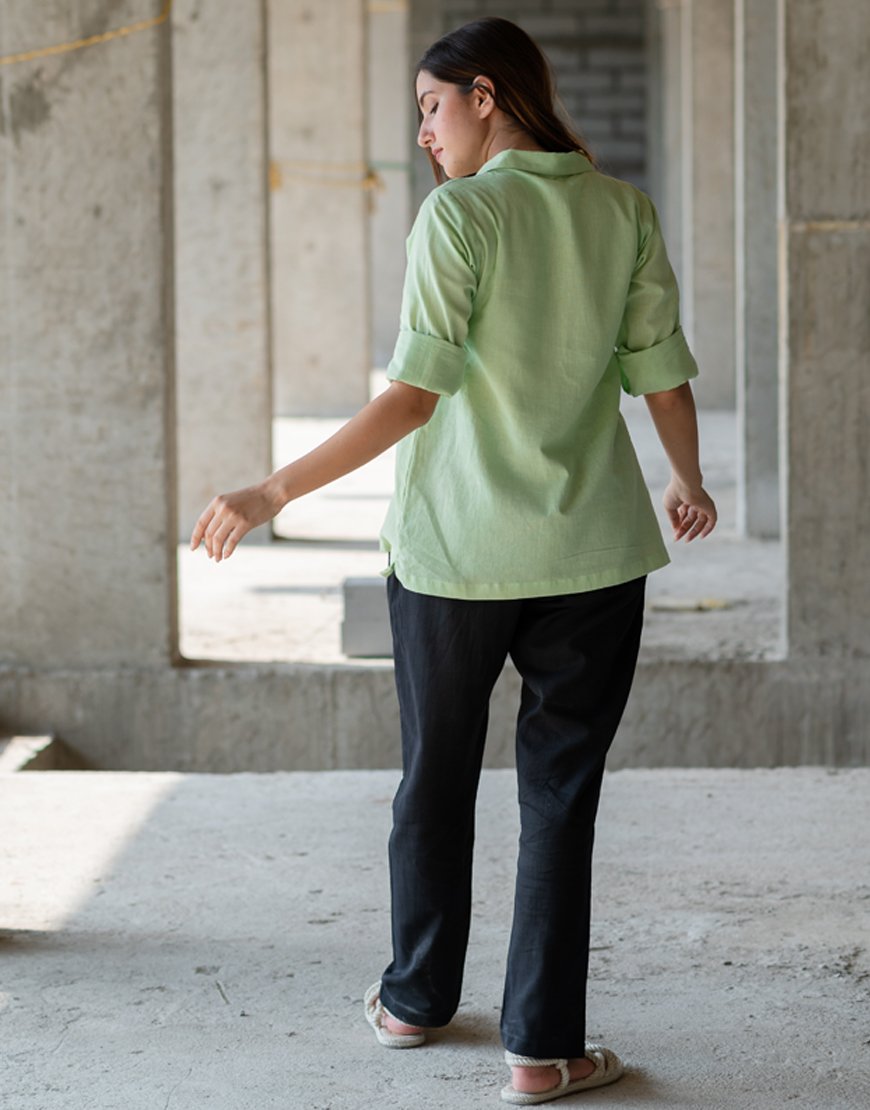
(452, 127)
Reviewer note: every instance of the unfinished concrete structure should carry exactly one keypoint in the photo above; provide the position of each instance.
(89, 405)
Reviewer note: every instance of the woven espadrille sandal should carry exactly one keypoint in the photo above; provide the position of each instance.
(608, 1068)
(375, 1014)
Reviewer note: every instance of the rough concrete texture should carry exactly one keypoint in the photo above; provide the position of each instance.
(86, 335)
(319, 206)
(224, 406)
(389, 129)
(665, 150)
(756, 276)
(825, 328)
(181, 941)
(707, 292)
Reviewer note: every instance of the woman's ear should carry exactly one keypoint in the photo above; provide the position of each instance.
(484, 95)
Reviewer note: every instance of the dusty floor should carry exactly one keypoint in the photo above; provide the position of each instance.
(283, 601)
(177, 942)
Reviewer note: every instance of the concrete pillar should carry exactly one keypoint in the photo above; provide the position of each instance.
(756, 269)
(319, 206)
(708, 196)
(428, 22)
(224, 386)
(390, 114)
(665, 122)
(824, 250)
(87, 541)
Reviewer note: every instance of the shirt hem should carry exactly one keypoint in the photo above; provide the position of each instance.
(504, 591)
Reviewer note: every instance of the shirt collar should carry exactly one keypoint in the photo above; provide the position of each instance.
(549, 163)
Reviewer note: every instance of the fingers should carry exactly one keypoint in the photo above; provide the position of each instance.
(694, 522)
(219, 539)
(708, 527)
(685, 519)
(698, 523)
(219, 530)
(199, 528)
(232, 541)
(228, 530)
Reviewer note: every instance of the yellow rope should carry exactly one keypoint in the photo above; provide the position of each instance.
(353, 174)
(92, 40)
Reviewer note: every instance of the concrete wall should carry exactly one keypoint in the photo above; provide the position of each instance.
(727, 713)
(222, 303)
(319, 207)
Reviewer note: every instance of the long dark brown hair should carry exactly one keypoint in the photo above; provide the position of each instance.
(525, 88)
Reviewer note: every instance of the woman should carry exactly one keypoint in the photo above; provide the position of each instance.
(536, 288)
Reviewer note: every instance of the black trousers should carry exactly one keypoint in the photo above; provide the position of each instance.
(576, 654)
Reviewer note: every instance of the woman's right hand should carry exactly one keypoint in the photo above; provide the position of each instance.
(691, 512)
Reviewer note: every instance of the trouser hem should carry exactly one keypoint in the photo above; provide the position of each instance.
(409, 1017)
(526, 1047)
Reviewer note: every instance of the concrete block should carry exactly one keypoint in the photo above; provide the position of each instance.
(631, 78)
(547, 25)
(598, 131)
(628, 128)
(584, 81)
(628, 24)
(366, 712)
(254, 718)
(618, 104)
(615, 57)
(590, 7)
(563, 56)
(620, 151)
(365, 630)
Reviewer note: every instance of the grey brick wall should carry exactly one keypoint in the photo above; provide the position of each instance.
(598, 54)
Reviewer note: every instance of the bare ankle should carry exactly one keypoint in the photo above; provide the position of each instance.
(396, 1026)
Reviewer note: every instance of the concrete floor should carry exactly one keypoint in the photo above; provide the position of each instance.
(177, 942)
(283, 601)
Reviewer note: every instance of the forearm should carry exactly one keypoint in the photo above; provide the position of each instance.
(381, 423)
(675, 419)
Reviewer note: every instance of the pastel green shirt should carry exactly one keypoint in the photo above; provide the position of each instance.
(535, 289)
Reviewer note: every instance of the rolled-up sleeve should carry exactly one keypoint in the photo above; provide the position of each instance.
(437, 299)
(651, 349)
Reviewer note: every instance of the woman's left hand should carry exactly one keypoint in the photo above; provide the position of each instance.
(229, 517)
